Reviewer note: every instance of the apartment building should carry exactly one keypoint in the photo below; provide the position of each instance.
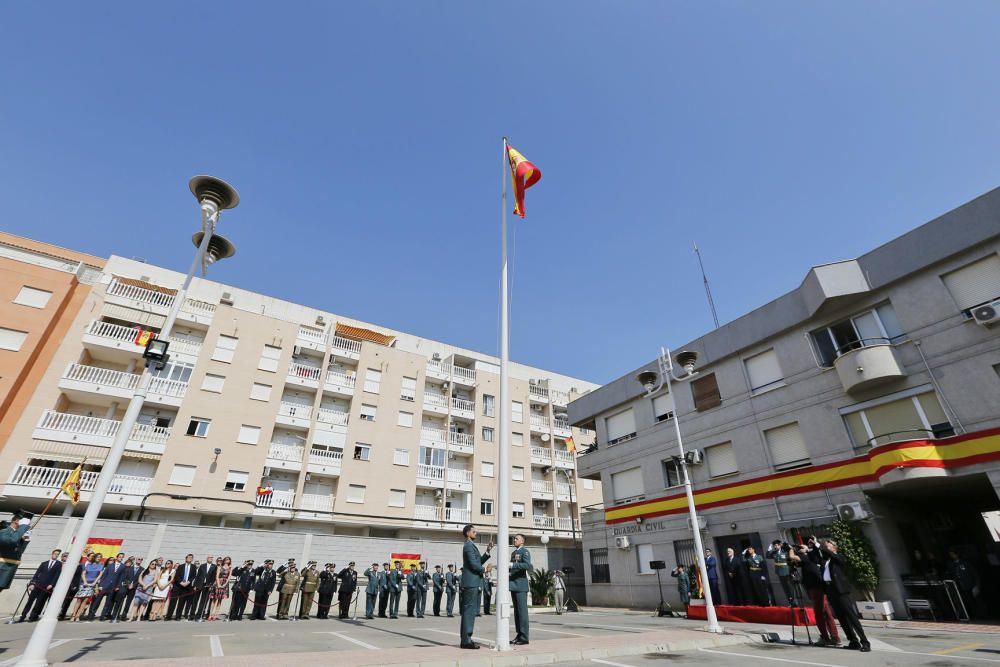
(870, 393)
(275, 415)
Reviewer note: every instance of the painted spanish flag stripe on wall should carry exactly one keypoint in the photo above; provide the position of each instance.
(953, 452)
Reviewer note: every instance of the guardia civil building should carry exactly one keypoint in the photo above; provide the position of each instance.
(870, 392)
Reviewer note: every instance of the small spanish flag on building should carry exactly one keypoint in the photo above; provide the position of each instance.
(523, 174)
(570, 445)
(71, 487)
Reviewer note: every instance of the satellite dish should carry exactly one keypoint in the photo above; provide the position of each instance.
(545, 437)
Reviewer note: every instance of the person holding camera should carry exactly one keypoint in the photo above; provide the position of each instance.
(838, 591)
(778, 552)
(810, 561)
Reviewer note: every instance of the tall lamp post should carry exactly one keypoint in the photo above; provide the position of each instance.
(214, 195)
(653, 382)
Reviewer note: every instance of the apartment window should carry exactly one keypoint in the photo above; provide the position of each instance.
(787, 447)
(489, 405)
(600, 570)
(408, 392)
(517, 412)
(213, 383)
(672, 475)
(237, 480)
(225, 348)
(182, 475)
(487, 469)
(486, 506)
(517, 473)
(401, 457)
(269, 358)
(368, 412)
(721, 460)
(356, 493)
(175, 371)
(397, 498)
(764, 372)
(488, 434)
(198, 427)
(644, 554)
(627, 486)
(249, 435)
(431, 456)
(12, 339)
(894, 417)
(588, 484)
(974, 284)
(373, 381)
(260, 392)
(705, 391)
(877, 326)
(518, 510)
(663, 408)
(33, 297)
(517, 439)
(362, 452)
(405, 419)
(620, 427)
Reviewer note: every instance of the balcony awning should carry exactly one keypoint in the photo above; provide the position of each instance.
(70, 452)
(132, 315)
(132, 282)
(360, 333)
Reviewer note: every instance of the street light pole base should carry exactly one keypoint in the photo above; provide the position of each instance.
(717, 629)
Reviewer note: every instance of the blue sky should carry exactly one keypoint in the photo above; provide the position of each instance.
(365, 141)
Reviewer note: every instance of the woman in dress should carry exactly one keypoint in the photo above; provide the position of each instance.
(160, 590)
(221, 589)
(90, 578)
(144, 589)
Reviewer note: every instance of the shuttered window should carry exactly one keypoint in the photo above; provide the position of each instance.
(12, 339)
(705, 391)
(976, 283)
(260, 391)
(764, 372)
(644, 554)
(225, 348)
(249, 435)
(620, 426)
(627, 486)
(788, 449)
(721, 460)
(356, 493)
(269, 358)
(237, 480)
(663, 408)
(213, 383)
(409, 389)
(33, 297)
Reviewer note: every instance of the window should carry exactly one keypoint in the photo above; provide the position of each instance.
(517, 439)
(672, 475)
(489, 405)
(12, 339)
(32, 297)
(373, 381)
(486, 507)
(368, 412)
(974, 284)
(517, 473)
(663, 408)
(225, 348)
(721, 460)
(260, 392)
(356, 493)
(401, 457)
(362, 452)
(516, 412)
(788, 449)
(174, 370)
(627, 486)
(405, 419)
(249, 435)
(705, 391)
(237, 480)
(408, 392)
(518, 510)
(487, 469)
(893, 418)
(198, 427)
(588, 484)
(600, 570)
(213, 383)
(269, 358)
(620, 426)
(644, 554)
(871, 327)
(397, 498)
(431, 456)
(764, 372)
(182, 475)
(488, 433)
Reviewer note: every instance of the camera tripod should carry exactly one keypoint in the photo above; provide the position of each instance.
(799, 609)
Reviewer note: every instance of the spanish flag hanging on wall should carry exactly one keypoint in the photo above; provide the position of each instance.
(523, 174)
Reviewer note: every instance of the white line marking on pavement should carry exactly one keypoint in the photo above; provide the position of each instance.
(57, 643)
(608, 662)
(458, 634)
(216, 644)
(360, 643)
(558, 632)
(767, 657)
(951, 656)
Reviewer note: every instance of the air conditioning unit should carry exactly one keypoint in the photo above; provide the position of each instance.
(988, 314)
(267, 471)
(227, 299)
(533, 382)
(436, 356)
(852, 512)
(702, 523)
(622, 542)
(320, 321)
(694, 457)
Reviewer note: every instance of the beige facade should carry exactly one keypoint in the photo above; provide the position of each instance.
(276, 415)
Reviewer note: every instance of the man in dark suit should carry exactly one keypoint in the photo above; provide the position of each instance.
(204, 581)
(810, 562)
(472, 583)
(180, 592)
(838, 592)
(244, 578)
(130, 581)
(327, 589)
(732, 566)
(75, 584)
(450, 585)
(348, 584)
(41, 585)
(438, 580)
(265, 578)
(111, 582)
(383, 590)
(396, 582)
(520, 566)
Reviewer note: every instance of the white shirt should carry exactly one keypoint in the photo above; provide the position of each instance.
(559, 586)
(826, 572)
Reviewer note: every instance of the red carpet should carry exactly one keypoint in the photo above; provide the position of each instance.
(766, 615)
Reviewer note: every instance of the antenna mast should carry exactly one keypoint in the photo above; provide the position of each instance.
(708, 290)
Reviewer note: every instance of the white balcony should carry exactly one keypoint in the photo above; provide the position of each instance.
(339, 382)
(426, 513)
(538, 394)
(543, 522)
(80, 429)
(459, 480)
(432, 437)
(462, 375)
(564, 523)
(148, 438)
(563, 459)
(560, 428)
(166, 392)
(541, 456)
(275, 503)
(457, 515)
(435, 403)
(311, 338)
(438, 370)
(541, 489)
(325, 461)
(140, 298)
(294, 414)
(39, 482)
(539, 423)
(314, 502)
(121, 341)
(285, 457)
(303, 376)
(461, 407)
(461, 442)
(563, 492)
(332, 417)
(104, 381)
(872, 364)
(345, 348)
(199, 312)
(432, 476)
(560, 398)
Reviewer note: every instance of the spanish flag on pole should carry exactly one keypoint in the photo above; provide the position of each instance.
(570, 445)
(523, 174)
(71, 487)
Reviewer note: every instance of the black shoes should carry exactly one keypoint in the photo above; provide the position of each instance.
(866, 647)
(854, 646)
(470, 646)
(519, 642)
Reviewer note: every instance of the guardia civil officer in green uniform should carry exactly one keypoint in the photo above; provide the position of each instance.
(472, 582)
(371, 590)
(520, 566)
(13, 542)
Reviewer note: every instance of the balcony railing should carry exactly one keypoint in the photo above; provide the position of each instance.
(283, 500)
(112, 331)
(199, 307)
(316, 502)
(559, 397)
(435, 366)
(457, 515)
(296, 410)
(340, 379)
(140, 294)
(459, 476)
(428, 434)
(435, 400)
(461, 439)
(541, 521)
(564, 457)
(433, 473)
(426, 513)
(63, 421)
(541, 486)
(541, 453)
(54, 478)
(281, 452)
(561, 424)
(540, 393)
(304, 372)
(539, 422)
(183, 346)
(463, 404)
(563, 491)
(326, 456)
(312, 335)
(566, 523)
(165, 387)
(104, 377)
(156, 435)
(335, 417)
(345, 345)
(468, 374)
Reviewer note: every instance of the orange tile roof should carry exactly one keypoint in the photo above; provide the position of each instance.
(132, 282)
(359, 333)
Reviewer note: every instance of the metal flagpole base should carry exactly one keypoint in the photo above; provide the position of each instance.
(31, 659)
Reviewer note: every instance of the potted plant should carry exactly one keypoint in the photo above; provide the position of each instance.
(862, 567)
(541, 584)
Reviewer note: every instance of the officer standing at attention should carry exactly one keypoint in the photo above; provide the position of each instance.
(487, 595)
(449, 588)
(287, 585)
(243, 581)
(438, 580)
(383, 590)
(266, 579)
(758, 580)
(396, 580)
(371, 591)
(520, 565)
(13, 541)
(310, 582)
(411, 590)
(423, 583)
(472, 582)
(348, 584)
(778, 552)
(327, 587)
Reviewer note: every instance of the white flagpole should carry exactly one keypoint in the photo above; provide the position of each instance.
(503, 470)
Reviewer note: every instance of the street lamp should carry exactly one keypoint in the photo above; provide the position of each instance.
(653, 382)
(214, 195)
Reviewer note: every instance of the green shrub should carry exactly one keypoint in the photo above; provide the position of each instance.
(541, 583)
